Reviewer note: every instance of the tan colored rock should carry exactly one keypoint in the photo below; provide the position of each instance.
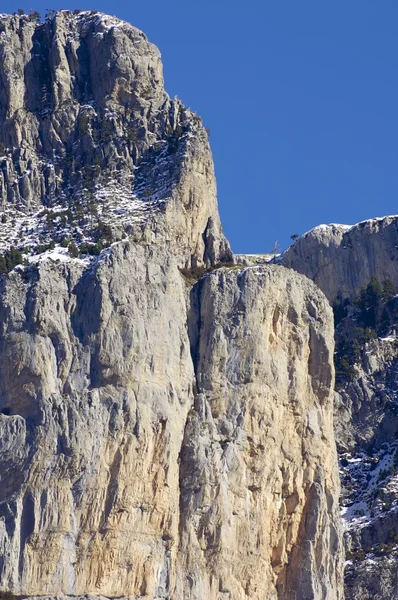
(157, 441)
(98, 386)
(102, 381)
(259, 484)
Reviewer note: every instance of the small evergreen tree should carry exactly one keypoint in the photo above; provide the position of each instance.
(5, 595)
(368, 302)
(132, 135)
(34, 15)
(339, 310)
(374, 291)
(84, 123)
(10, 259)
(389, 289)
(107, 131)
(50, 14)
(73, 250)
(104, 232)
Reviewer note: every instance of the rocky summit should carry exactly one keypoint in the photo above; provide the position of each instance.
(168, 411)
(93, 150)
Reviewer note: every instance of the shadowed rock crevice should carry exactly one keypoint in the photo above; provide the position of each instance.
(37, 75)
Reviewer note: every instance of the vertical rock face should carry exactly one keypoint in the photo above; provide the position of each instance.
(67, 85)
(259, 485)
(96, 385)
(127, 479)
(159, 438)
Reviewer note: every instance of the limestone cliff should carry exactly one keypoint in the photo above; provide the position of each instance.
(164, 432)
(133, 476)
(258, 482)
(87, 129)
(342, 260)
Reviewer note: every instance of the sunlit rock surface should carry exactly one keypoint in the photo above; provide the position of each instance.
(166, 431)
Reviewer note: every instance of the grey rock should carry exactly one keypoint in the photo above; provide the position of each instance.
(365, 409)
(341, 259)
(373, 579)
(158, 439)
(84, 117)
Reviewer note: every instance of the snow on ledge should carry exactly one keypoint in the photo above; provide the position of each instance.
(345, 228)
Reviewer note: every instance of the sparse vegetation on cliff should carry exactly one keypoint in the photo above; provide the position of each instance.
(10, 259)
(372, 313)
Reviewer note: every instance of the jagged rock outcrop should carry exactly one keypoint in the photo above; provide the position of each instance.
(366, 427)
(164, 433)
(85, 118)
(366, 407)
(376, 580)
(341, 259)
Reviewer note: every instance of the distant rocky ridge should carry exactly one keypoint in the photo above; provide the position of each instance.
(341, 259)
(344, 260)
(166, 415)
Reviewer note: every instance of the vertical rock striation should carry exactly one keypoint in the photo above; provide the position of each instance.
(99, 396)
(160, 437)
(259, 485)
(96, 384)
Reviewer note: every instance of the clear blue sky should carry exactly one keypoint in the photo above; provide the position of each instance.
(301, 99)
